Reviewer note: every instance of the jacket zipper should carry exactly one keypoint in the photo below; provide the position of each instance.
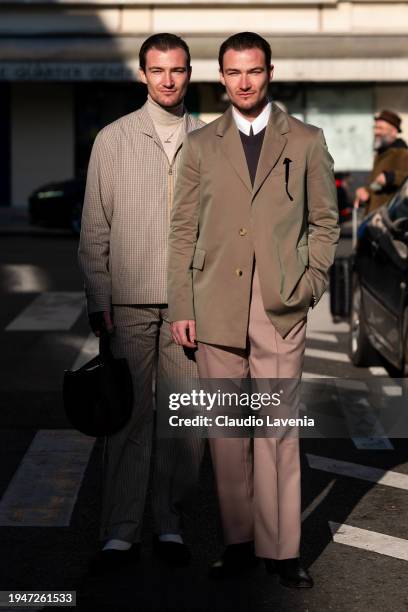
(170, 189)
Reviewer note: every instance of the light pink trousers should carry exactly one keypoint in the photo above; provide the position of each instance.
(258, 481)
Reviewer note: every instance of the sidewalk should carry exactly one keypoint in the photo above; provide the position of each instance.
(15, 222)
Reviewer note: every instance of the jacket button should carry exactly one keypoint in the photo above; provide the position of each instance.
(243, 231)
(238, 272)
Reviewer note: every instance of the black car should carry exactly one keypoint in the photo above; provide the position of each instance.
(58, 204)
(379, 287)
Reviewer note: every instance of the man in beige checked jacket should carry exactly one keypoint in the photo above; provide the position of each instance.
(123, 258)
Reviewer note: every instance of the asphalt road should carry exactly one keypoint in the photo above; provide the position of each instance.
(354, 489)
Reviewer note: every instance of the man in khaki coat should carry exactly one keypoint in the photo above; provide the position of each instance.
(123, 258)
(390, 163)
(253, 234)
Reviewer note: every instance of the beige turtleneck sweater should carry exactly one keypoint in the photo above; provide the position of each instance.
(169, 125)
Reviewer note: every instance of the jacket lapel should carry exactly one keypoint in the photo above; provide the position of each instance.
(232, 148)
(273, 146)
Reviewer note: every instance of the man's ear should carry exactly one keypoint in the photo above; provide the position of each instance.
(222, 77)
(142, 76)
(271, 72)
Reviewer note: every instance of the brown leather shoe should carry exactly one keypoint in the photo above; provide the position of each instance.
(291, 572)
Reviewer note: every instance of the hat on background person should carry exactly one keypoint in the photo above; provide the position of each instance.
(389, 117)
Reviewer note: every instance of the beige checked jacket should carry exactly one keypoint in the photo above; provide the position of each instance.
(125, 221)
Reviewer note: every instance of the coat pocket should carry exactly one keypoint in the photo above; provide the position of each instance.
(198, 259)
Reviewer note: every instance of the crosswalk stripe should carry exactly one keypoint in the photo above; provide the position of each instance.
(327, 355)
(50, 311)
(320, 319)
(25, 278)
(369, 540)
(388, 478)
(360, 417)
(322, 337)
(44, 488)
(317, 500)
(378, 371)
(312, 375)
(392, 390)
(351, 384)
(373, 443)
(89, 350)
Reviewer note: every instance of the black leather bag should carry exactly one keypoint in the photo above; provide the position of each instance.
(340, 287)
(98, 397)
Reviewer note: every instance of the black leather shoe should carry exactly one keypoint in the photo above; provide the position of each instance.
(290, 571)
(172, 553)
(111, 558)
(236, 559)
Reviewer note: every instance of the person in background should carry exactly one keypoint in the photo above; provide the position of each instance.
(390, 163)
(123, 258)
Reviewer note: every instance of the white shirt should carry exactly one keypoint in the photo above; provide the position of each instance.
(257, 124)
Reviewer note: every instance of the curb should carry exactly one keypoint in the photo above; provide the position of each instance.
(41, 232)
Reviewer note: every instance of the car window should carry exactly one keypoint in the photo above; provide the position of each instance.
(398, 207)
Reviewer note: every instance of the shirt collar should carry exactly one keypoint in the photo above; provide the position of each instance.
(257, 124)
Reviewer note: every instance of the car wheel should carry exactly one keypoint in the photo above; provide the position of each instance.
(361, 351)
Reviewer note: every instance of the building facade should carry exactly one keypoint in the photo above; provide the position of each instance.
(69, 67)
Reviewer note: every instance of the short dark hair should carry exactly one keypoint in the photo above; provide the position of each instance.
(162, 42)
(242, 41)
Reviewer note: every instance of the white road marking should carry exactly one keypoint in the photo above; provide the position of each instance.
(369, 540)
(25, 278)
(44, 488)
(319, 318)
(378, 371)
(322, 337)
(388, 478)
(312, 375)
(50, 311)
(317, 500)
(361, 418)
(327, 355)
(89, 350)
(373, 443)
(351, 384)
(392, 390)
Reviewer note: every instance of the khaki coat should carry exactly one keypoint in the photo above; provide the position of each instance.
(288, 221)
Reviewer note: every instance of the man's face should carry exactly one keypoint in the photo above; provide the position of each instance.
(384, 133)
(166, 76)
(246, 79)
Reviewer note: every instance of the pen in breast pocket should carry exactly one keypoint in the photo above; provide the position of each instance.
(287, 163)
